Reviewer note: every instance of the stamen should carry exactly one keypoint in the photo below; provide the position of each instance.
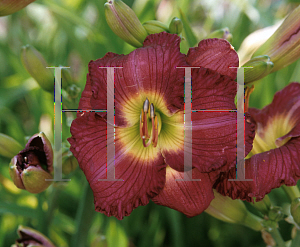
(152, 112)
(143, 125)
(146, 105)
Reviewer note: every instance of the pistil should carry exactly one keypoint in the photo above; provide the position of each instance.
(147, 139)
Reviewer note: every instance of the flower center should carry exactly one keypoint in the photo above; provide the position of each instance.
(155, 124)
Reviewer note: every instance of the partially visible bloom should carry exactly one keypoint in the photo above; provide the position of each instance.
(30, 237)
(149, 120)
(35, 64)
(33, 165)
(275, 157)
(283, 47)
(8, 7)
(124, 22)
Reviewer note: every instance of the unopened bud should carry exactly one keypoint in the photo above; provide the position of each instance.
(176, 26)
(283, 47)
(123, 22)
(295, 210)
(73, 91)
(264, 205)
(276, 214)
(8, 7)
(30, 168)
(30, 237)
(260, 67)
(66, 78)
(233, 211)
(146, 105)
(35, 64)
(69, 162)
(223, 33)
(154, 26)
(9, 147)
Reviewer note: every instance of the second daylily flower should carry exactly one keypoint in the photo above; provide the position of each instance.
(149, 120)
(274, 159)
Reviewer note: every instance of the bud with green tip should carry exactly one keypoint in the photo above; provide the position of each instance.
(73, 91)
(233, 211)
(9, 147)
(283, 47)
(223, 33)
(276, 214)
(30, 168)
(176, 26)
(30, 237)
(295, 210)
(264, 205)
(261, 67)
(123, 22)
(154, 26)
(69, 162)
(35, 64)
(8, 7)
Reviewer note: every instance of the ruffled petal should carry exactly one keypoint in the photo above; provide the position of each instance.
(268, 170)
(149, 72)
(215, 54)
(188, 197)
(141, 169)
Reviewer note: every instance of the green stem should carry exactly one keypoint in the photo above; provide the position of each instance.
(84, 217)
(42, 225)
(254, 222)
(296, 240)
(291, 191)
(277, 237)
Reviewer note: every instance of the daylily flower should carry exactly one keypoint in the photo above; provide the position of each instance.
(149, 109)
(274, 159)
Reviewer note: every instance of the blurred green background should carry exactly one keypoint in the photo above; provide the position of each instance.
(71, 33)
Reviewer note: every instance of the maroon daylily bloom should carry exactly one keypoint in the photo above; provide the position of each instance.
(149, 76)
(275, 157)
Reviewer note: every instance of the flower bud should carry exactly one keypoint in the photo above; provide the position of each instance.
(31, 237)
(264, 205)
(233, 211)
(261, 67)
(73, 91)
(30, 168)
(283, 47)
(276, 214)
(176, 26)
(295, 210)
(123, 22)
(66, 78)
(154, 26)
(8, 7)
(35, 64)
(223, 33)
(69, 162)
(9, 146)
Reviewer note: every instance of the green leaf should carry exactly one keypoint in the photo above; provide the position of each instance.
(189, 34)
(17, 210)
